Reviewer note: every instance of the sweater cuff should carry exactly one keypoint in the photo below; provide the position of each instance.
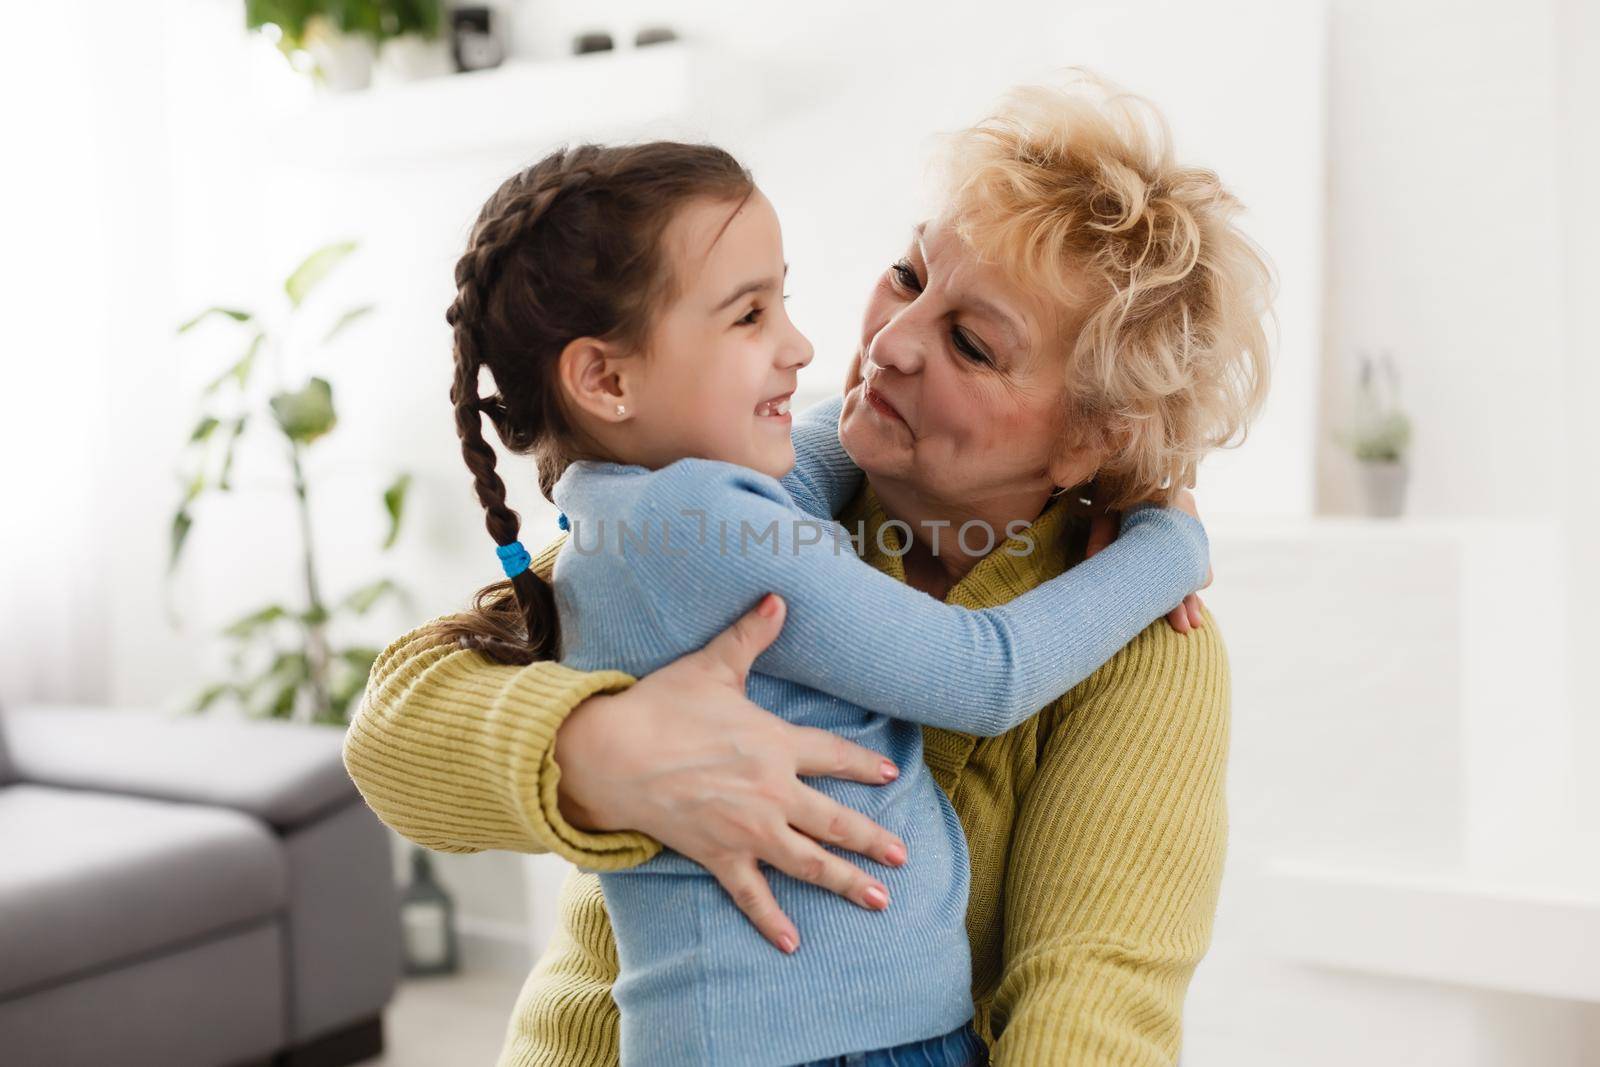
(557, 690)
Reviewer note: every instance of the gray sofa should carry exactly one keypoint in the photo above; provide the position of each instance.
(198, 891)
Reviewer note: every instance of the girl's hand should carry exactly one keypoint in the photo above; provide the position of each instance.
(1103, 530)
(684, 757)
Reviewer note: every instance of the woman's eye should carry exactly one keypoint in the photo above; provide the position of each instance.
(750, 319)
(906, 276)
(965, 346)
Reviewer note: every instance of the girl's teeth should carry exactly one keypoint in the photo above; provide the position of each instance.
(779, 408)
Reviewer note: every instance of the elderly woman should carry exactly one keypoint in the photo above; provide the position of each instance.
(1081, 320)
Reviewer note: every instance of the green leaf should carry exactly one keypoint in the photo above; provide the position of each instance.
(361, 600)
(308, 414)
(249, 624)
(346, 319)
(350, 681)
(227, 457)
(280, 681)
(203, 429)
(240, 371)
(394, 502)
(181, 522)
(208, 696)
(196, 486)
(233, 313)
(361, 659)
(281, 705)
(314, 268)
(292, 671)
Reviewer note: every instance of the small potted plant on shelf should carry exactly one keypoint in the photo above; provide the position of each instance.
(338, 41)
(1378, 436)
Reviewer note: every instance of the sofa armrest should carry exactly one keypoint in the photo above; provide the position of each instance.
(285, 774)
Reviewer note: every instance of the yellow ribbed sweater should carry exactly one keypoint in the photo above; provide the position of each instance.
(1097, 829)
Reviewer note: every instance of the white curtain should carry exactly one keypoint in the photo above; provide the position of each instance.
(75, 209)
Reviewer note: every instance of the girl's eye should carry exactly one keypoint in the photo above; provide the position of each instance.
(965, 346)
(906, 276)
(754, 315)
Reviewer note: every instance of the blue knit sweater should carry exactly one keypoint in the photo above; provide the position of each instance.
(658, 563)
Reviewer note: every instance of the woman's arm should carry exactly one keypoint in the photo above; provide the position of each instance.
(860, 635)
(565, 1016)
(1116, 859)
(454, 751)
(458, 753)
(824, 477)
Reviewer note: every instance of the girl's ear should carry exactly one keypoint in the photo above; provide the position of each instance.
(591, 374)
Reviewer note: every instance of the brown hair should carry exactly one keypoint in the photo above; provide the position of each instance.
(570, 247)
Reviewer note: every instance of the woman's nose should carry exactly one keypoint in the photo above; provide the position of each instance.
(899, 344)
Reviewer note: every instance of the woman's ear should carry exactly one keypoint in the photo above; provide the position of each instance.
(1071, 468)
(592, 376)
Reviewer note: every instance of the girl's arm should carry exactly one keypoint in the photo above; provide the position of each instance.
(1116, 859)
(860, 635)
(824, 476)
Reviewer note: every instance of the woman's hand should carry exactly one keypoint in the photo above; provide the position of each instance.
(684, 757)
(1103, 530)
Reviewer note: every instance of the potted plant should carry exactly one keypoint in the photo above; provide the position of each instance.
(285, 663)
(1378, 436)
(339, 40)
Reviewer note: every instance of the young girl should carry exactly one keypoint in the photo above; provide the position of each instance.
(627, 302)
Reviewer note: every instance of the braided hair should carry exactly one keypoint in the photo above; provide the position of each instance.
(570, 247)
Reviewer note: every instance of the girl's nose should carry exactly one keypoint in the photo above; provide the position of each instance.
(797, 351)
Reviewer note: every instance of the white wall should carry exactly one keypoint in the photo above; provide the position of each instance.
(1578, 153)
(1446, 243)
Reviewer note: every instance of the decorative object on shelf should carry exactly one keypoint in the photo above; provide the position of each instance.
(473, 39)
(585, 43)
(1378, 435)
(650, 35)
(337, 41)
(284, 662)
(410, 59)
(341, 62)
(427, 921)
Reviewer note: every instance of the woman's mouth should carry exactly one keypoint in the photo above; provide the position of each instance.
(776, 408)
(882, 406)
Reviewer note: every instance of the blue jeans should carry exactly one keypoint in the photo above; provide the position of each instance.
(961, 1047)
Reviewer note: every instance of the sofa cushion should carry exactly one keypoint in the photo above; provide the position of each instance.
(91, 880)
(285, 774)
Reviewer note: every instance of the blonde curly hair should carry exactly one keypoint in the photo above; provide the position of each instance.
(1073, 190)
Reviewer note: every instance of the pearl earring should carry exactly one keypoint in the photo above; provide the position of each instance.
(621, 410)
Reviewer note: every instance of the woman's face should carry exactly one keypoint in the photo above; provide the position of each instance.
(957, 392)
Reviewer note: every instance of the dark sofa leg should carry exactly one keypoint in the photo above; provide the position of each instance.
(353, 1044)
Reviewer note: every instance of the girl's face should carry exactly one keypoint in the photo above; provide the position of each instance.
(957, 392)
(722, 359)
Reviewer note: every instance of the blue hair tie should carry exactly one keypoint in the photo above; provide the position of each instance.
(513, 558)
(561, 520)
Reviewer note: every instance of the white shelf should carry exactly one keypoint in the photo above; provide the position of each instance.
(1532, 934)
(520, 107)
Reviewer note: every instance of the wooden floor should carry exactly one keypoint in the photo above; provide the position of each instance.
(456, 1020)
